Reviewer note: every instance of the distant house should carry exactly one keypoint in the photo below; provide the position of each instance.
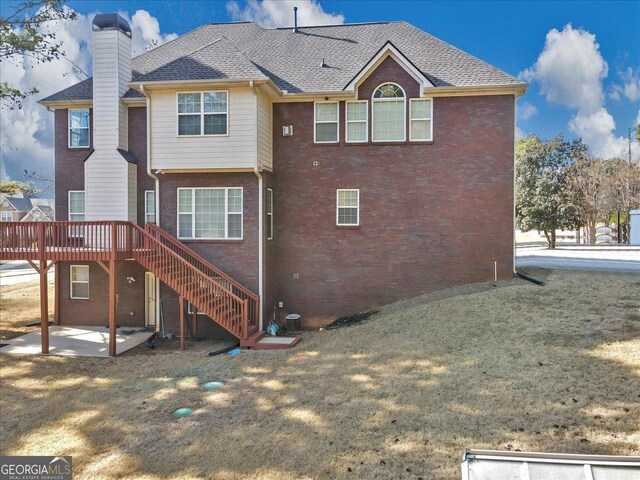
(17, 208)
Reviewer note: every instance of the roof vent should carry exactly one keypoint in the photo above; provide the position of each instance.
(323, 64)
(295, 19)
(111, 21)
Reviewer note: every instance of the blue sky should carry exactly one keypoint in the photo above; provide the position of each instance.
(582, 59)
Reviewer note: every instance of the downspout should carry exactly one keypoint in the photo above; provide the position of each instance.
(157, 195)
(515, 106)
(256, 170)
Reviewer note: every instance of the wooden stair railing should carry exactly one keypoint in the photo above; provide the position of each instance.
(194, 258)
(205, 292)
(210, 290)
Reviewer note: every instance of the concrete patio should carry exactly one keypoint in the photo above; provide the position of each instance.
(77, 341)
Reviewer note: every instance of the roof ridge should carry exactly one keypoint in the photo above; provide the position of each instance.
(354, 24)
(155, 49)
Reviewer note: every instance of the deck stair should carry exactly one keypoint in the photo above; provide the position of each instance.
(227, 302)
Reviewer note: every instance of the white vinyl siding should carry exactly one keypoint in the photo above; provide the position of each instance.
(149, 206)
(210, 213)
(326, 122)
(269, 214)
(79, 277)
(388, 114)
(235, 150)
(357, 114)
(76, 206)
(348, 207)
(421, 119)
(79, 128)
(265, 132)
(203, 113)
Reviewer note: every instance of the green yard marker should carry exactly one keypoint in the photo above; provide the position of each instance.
(182, 412)
(213, 385)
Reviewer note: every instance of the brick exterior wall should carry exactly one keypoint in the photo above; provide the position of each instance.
(433, 215)
(69, 167)
(95, 310)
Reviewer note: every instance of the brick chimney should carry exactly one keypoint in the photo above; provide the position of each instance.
(110, 172)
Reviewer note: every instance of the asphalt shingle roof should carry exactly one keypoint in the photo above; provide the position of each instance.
(294, 61)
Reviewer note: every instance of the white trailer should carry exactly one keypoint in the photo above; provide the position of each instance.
(509, 465)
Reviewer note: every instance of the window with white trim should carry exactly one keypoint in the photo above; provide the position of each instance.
(269, 214)
(79, 276)
(388, 105)
(149, 206)
(79, 128)
(357, 124)
(76, 206)
(203, 113)
(210, 213)
(421, 115)
(326, 122)
(348, 207)
(6, 217)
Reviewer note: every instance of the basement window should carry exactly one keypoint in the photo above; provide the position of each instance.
(210, 213)
(203, 113)
(79, 128)
(326, 122)
(79, 275)
(348, 207)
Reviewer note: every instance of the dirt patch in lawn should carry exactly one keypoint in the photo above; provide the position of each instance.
(554, 368)
(20, 305)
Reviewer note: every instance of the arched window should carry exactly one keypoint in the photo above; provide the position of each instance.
(389, 113)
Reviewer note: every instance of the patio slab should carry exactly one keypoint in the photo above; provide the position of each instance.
(77, 341)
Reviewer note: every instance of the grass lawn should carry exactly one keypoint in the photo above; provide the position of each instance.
(20, 306)
(554, 368)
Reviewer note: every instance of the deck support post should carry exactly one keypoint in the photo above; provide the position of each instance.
(44, 307)
(56, 296)
(112, 308)
(182, 322)
(194, 323)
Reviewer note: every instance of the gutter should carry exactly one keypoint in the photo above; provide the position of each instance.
(157, 195)
(260, 219)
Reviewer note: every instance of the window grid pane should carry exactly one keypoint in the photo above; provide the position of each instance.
(189, 125)
(327, 132)
(348, 207)
(420, 109)
(209, 213)
(188, 103)
(215, 124)
(388, 120)
(215, 102)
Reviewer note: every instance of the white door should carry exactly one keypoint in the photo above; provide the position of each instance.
(150, 299)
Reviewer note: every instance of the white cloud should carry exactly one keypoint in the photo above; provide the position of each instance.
(26, 136)
(631, 86)
(519, 133)
(570, 71)
(527, 110)
(279, 13)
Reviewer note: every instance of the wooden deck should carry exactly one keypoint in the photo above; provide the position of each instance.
(217, 295)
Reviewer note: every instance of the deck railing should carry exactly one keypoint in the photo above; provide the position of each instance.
(100, 240)
(210, 290)
(194, 258)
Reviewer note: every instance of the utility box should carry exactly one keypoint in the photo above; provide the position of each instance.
(635, 227)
